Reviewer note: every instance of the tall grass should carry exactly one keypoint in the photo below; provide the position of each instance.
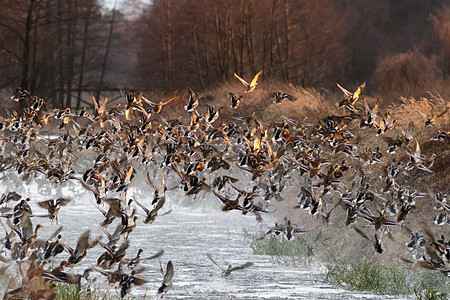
(280, 250)
(70, 292)
(393, 279)
(367, 276)
(354, 274)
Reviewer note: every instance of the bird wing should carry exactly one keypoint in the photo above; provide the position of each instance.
(168, 101)
(158, 206)
(129, 173)
(147, 211)
(63, 201)
(44, 204)
(346, 93)
(214, 262)
(82, 243)
(139, 281)
(375, 108)
(103, 106)
(163, 186)
(191, 93)
(255, 79)
(95, 104)
(246, 265)
(358, 91)
(169, 273)
(150, 182)
(160, 253)
(57, 231)
(221, 198)
(149, 102)
(241, 80)
(361, 233)
(439, 115)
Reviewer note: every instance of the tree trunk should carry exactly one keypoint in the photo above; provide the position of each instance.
(197, 58)
(167, 40)
(206, 53)
(60, 78)
(34, 73)
(83, 55)
(27, 45)
(249, 35)
(219, 45)
(243, 30)
(271, 36)
(71, 36)
(108, 46)
(280, 55)
(286, 37)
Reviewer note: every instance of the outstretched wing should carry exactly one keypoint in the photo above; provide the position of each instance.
(169, 273)
(161, 252)
(214, 262)
(147, 211)
(242, 80)
(151, 183)
(255, 79)
(358, 91)
(44, 204)
(158, 205)
(346, 93)
(246, 265)
(439, 115)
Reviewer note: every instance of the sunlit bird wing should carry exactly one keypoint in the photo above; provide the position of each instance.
(346, 93)
(241, 80)
(254, 81)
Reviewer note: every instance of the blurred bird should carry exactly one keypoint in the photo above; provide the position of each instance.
(227, 272)
(350, 98)
(430, 121)
(281, 97)
(166, 284)
(192, 101)
(53, 207)
(235, 100)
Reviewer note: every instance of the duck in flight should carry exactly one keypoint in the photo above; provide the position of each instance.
(250, 86)
(227, 272)
(350, 98)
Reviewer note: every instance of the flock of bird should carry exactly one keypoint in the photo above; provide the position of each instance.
(202, 156)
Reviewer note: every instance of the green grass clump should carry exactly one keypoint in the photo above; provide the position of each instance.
(373, 277)
(430, 294)
(70, 292)
(431, 285)
(281, 250)
(367, 276)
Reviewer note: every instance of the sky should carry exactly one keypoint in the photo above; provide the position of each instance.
(125, 5)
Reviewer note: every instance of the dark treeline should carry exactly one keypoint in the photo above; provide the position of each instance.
(59, 49)
(309, 43)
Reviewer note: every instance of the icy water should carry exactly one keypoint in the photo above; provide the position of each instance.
(186, 235)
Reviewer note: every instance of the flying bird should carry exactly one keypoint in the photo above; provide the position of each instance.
(227, 272)
(250, 87)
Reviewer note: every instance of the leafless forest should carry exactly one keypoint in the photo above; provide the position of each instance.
(100, 94)
(66, 51)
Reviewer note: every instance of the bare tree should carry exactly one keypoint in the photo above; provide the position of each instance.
(441, 26)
